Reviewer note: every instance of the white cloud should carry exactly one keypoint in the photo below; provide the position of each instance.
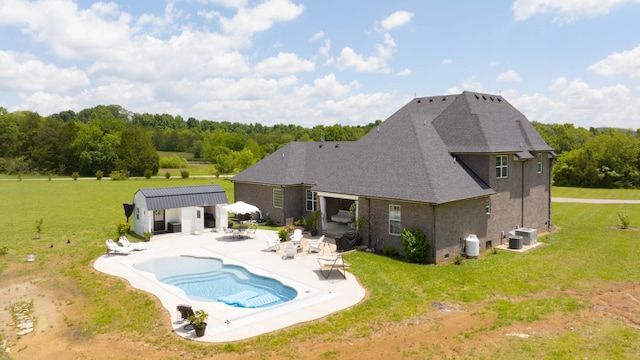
(626, 62)
(46, 103)
(404, 72)
(21, 72)
(396, 19)
(509, 76)
(284, 63)
(324, 50)
(446, 62)
(249, 21)
(577, 103)
(325, 87)
(565, 11)
(316, 36)
(375, 63)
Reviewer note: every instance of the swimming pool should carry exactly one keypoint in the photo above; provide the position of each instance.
(209, 279)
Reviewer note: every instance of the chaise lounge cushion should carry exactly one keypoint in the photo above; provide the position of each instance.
(343, 216)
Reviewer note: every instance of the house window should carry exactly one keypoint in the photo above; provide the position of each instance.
(137, 213)
(394, 219)
(502, 166)
(311, 200)
(277, 198)
(540, 163)
(487, 206)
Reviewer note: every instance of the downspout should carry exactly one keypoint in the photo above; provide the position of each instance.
(369, 221)
(522, 196)
(433, 233)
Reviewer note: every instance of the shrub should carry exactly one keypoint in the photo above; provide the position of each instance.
(118, 175)
(624, 219)
(414, 245)
(4, 250)
(147, 235)
(148, 173)
(173, 162)
(458, 260)
(184, 174)
(99, 175)
(282, 234)
(123, 228)
(167, 175)
(75, 175)
(389, 251)
(269, 222)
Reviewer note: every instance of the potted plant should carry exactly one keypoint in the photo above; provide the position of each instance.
(147, 235)
(199, 321)
(314, 222)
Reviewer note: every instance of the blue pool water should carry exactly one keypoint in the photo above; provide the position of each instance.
(208, 279)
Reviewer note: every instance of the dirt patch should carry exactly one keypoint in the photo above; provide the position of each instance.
(443, 331)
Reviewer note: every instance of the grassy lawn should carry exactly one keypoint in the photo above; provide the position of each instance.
(621, 194)
(582, 259)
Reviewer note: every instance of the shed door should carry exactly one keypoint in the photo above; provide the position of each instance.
(158, 220)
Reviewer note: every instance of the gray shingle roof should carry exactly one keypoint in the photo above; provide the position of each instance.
(183, 196)
(297, 163)
(411, 155)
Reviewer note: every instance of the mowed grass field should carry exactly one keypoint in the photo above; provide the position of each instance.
(556, 285)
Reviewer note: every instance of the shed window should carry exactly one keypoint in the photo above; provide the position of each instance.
(502, 166)
(487, 206)
(277, 198)
(394, 219)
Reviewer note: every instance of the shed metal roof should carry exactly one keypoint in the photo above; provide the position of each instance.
(183, 196)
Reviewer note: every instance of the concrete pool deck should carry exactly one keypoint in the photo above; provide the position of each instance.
(317, 296)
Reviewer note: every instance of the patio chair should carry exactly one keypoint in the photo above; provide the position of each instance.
(273, 244)
(290, 251)
(124, 242)
(185, 311)
(330, 263)
(296, 238)
(113, 248)
(316, 245)
(251, 232)
(227, 232)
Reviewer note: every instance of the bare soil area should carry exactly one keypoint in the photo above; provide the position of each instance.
(444, 331)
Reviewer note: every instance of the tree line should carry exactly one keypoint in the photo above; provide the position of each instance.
(594, 157)
(109, 138)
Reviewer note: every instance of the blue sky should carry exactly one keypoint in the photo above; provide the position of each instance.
(321, 62)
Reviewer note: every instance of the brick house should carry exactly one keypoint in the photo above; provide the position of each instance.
(450, 165)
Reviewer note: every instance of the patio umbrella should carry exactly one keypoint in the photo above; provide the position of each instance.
(241, 207)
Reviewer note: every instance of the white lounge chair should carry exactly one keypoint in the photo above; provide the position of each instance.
(273, 244)
(316, 245)
(329, 263)
(124, 242)
(296, 238)
(113, 248)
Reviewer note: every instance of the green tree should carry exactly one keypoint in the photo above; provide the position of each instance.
(93, 150)
(136, 152)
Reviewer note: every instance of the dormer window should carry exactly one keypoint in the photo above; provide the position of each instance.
(502, 166)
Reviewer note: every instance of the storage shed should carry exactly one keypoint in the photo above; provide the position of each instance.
(182, 209)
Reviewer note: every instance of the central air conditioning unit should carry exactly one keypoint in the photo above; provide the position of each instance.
(529, 236)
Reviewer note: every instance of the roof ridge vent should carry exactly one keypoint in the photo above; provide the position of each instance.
(477, 97)
(491, 97)
(484, 97)
(444, 99)
(430, 100)
(337, 145)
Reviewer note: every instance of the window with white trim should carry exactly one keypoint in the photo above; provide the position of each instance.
(312, 204)
(540, 163)
(277, 198)
(394, 220)
(487, 206)
(502, 166)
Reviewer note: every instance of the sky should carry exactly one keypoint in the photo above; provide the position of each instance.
(321, 62)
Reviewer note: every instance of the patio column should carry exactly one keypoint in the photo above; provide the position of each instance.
(323, 218)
